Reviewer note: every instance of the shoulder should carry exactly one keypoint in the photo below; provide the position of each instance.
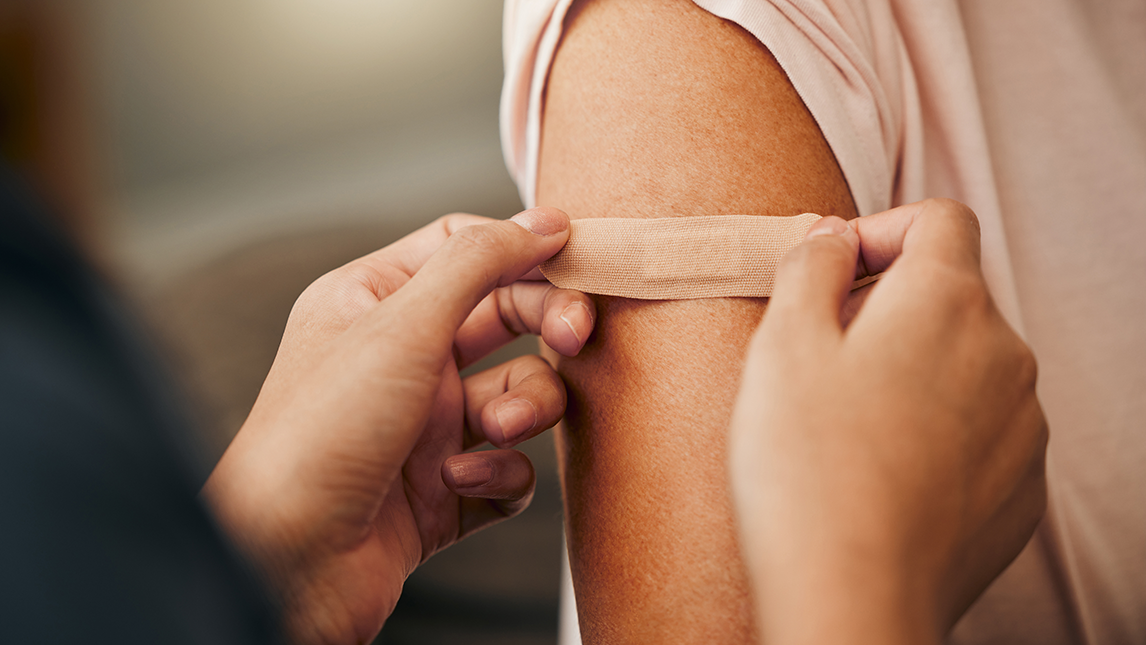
(844, 58)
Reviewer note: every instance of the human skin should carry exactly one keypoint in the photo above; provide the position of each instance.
(658, 109)
(885, 473)
(351, 469)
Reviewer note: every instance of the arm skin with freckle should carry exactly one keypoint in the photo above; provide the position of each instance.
(658, 109)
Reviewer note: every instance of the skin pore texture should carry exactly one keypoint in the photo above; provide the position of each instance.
(658, 109)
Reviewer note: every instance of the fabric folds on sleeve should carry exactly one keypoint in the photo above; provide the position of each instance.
(845, 58)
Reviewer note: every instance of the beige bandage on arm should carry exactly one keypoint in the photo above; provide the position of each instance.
(677, 258)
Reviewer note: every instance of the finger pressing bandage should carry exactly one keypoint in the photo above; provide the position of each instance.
(677, 258)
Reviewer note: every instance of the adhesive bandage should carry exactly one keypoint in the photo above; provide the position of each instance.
(677, 258)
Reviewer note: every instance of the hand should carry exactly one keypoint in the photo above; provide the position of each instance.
(884, 473)
(350, 470)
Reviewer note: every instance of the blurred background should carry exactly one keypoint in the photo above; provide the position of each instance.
(214, 157)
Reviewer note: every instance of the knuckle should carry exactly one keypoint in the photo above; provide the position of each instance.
(446, 223)
(509, 311)
(479, 248)
(362, 275)
(534, 364)
(1026, 364)
(484, 239)
(946, 207)
(454, 222)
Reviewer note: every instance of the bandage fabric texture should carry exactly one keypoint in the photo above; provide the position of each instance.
(676, 258)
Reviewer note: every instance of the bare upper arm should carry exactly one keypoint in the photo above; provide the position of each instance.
(658, 109)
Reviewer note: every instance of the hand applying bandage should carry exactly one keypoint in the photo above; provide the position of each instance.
(884, 473)
(352, 467)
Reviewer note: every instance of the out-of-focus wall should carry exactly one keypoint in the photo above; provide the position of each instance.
(228, 121)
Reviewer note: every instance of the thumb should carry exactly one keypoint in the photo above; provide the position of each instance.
(813, 279)
(471, 263)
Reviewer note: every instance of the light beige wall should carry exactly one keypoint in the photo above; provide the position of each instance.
(233, 119)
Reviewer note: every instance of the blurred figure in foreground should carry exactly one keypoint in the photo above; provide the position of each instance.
(45, 129)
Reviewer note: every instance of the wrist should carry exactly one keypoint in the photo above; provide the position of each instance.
(843, 601)
(238, 497)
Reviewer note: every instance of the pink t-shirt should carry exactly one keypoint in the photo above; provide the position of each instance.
(1033, 112)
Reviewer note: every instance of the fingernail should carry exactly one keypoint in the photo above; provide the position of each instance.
(539, 222)
(828, 226)
(471, 473)
(577, 315)
(516, 417)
